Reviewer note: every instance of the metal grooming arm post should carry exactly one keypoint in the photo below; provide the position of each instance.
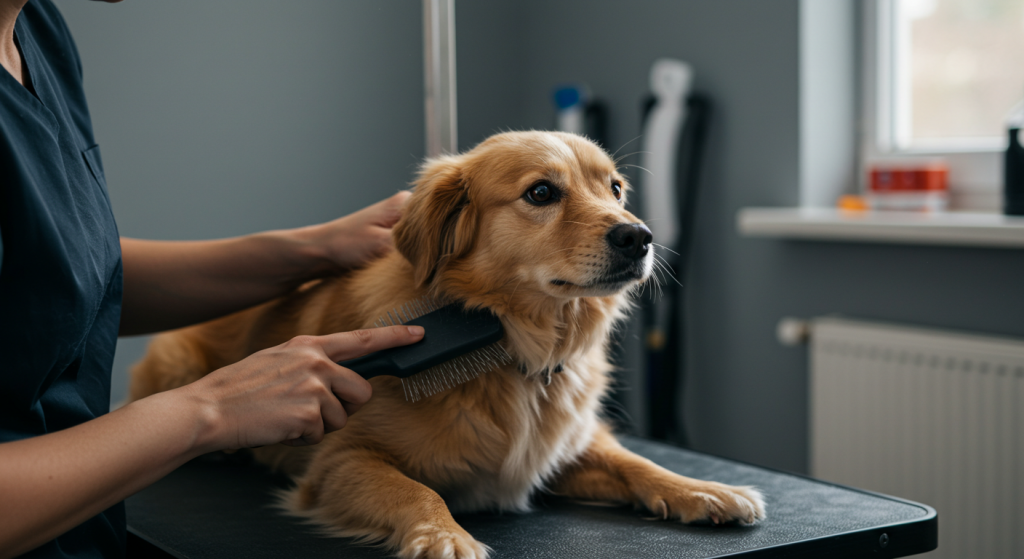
(439, 73)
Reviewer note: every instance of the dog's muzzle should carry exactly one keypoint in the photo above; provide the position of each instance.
(629, 241)
(628, 247)
(629, 244)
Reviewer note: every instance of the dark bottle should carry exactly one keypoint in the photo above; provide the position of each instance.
(1013, 165)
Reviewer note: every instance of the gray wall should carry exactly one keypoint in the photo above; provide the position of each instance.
(223, 118)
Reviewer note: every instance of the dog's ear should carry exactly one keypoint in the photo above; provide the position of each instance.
(438, 223)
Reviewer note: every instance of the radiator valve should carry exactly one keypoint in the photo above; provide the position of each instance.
(793, 331)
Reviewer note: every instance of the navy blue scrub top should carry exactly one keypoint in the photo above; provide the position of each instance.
(60, 274)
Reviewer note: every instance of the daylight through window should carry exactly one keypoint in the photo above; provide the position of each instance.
(958, 69)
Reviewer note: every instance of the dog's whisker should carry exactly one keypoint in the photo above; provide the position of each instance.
(666, 248)
(655, 294)
(661, 280)
(669, 270)
(638, 167)
(659, 264)
(636, 290)
(657, 280)
(621, 157)
(635, 138)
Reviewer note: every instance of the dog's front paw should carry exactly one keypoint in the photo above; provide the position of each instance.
(432, 542)
(694, 501)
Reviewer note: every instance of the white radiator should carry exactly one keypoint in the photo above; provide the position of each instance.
(931, 416)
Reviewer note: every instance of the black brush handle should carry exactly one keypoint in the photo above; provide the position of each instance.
(376, 364)
(449, 332)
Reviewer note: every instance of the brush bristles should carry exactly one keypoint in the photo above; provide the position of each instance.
(409, 311)
(454, 372)
(451, 373)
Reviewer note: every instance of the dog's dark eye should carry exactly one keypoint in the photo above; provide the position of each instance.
(541, 193)
(617, 190)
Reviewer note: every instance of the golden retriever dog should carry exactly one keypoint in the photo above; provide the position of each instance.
(532, 226)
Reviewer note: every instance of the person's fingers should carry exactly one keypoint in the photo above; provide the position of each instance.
(302, 441)
(339, 392)
(398, 199)
(349, 345)
(380, 238)
(390, 209)
(351, 388)
(312, 433)
(334, 414)
(351, 408)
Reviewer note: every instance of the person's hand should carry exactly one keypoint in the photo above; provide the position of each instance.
(293, 393)
(353, 240)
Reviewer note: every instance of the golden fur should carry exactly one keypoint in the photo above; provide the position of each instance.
(398, 468)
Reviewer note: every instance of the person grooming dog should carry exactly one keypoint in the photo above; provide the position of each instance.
(69, 286)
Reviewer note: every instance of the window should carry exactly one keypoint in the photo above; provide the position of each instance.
(942, 76)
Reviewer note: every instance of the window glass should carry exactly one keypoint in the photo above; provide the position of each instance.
(959, 70)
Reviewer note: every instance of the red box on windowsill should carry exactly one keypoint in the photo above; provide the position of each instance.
(908, 185)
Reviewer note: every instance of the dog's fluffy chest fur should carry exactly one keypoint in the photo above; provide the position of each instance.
(506, 452)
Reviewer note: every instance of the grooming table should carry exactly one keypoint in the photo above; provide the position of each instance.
(222, 509)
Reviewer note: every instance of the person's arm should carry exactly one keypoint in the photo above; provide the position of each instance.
(170, 284)
(290, 393)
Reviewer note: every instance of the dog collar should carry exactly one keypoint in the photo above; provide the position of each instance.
(546, 373)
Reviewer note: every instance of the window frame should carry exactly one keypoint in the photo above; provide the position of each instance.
(975, 167)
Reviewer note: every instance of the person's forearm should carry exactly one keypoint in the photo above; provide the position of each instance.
(51, 483)
(173, 284)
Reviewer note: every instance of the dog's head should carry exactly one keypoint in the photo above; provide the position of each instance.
(526, 215)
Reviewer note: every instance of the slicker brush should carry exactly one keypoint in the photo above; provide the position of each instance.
(458, 346)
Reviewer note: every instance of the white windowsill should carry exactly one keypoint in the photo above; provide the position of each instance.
(825, 224)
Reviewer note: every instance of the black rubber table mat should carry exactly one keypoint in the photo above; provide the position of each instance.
(222, 509)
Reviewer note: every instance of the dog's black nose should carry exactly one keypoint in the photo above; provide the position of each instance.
(632, 240)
